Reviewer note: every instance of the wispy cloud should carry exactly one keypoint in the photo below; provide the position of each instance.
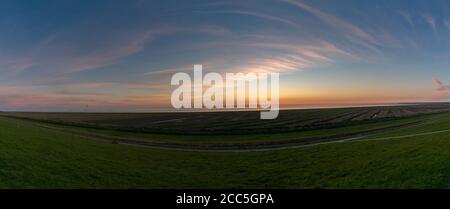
(169, 70)
(431, 21)
(351, 31)
(258, 15)
(282, 64)
(92, 57)
(439, 86)
(407, 17)
(447, 24)
(283, 57)
(313, 50)
(61, 54)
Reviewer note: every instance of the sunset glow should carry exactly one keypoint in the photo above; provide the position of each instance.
(120, 55)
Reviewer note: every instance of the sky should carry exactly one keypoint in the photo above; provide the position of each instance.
(111, 55)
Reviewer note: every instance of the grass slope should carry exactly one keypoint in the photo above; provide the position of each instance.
(33, 157)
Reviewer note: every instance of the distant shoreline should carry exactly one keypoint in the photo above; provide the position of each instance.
(291, 107)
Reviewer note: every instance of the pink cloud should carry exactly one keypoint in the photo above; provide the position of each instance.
(439, 86)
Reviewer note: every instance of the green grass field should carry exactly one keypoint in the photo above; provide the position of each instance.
(37, 157)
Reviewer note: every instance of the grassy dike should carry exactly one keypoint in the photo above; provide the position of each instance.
(34, 157)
